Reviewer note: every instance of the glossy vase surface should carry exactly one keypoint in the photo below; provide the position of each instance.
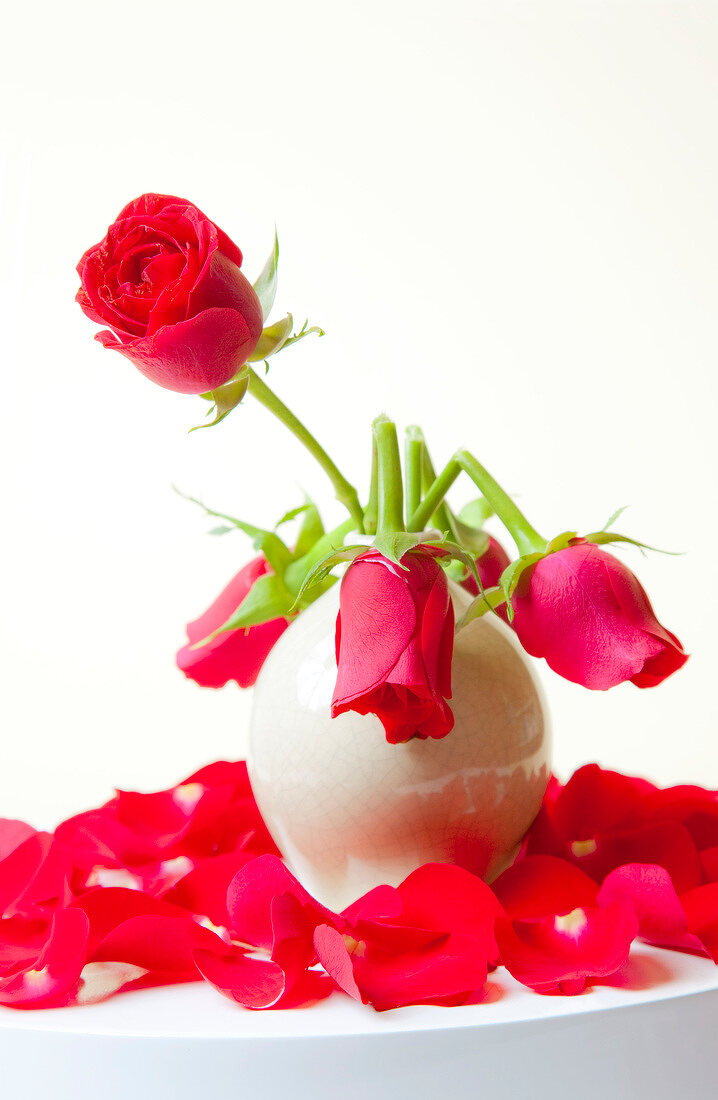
(350, 811)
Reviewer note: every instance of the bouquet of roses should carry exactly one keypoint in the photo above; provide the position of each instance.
(167, 282)
(187, 883)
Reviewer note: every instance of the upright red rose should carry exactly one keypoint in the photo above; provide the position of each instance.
(167, 281)
(588, 615)
(234, 654)
(395, 639)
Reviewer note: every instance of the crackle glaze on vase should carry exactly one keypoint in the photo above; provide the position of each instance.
(349, 811)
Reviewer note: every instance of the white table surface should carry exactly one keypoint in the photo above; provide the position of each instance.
(651, 1034)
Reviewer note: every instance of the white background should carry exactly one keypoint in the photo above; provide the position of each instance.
(505, 218)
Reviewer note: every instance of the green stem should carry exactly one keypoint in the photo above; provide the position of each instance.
(524, 535)
(438, 489)
(372, 509)
(391, 491)
(443, 517)
(345, 492)
(413, 455)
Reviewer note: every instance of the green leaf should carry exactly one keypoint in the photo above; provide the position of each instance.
(222, 530)
(310, 532)
(455, 553)
(268, 542)
(292, 514)
(267, 599)
(321, 569)
(561, 541)
(394, 544)
(266, 285)
(225, 399)
(333, 540)
(473, 538)
(511, 576)
(614, 517)
(487, 600)
(272, 339)
(476, 513)
(601, 538)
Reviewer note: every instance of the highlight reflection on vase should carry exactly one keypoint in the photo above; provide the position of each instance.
(350, 811)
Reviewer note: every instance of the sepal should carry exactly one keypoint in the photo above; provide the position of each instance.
(320, 570)
(225, 399)
(278, 336)
(265, 286)
(272, 339)
(487, 600)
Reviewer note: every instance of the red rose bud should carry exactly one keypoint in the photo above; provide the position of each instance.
(233, 654)
(167, 281)
(588, 615)
(395, 639)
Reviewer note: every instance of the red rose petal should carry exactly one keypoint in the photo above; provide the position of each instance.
(701, 909)
(12, 834)
(53, 978)
(541, 885)
(253, 983)
(332, 953)
(558, 954)
(661, 916)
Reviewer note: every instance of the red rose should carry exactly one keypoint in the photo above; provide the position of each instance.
(587, 614)
(490, 566)
(167, 281)
(234, 654)
(395, 638)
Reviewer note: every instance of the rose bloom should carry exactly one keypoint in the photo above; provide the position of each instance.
(394, 641)
(167, 281)
(233, 654)
(587, 614)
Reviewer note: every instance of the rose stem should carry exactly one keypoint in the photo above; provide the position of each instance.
(443, 517)
(524, 535)
(372, 509)
(413, 457)
(345, 492)
(391, 491)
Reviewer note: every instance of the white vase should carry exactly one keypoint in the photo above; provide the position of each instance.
(350, 811)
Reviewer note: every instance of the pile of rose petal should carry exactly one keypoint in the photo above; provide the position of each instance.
(186, 885)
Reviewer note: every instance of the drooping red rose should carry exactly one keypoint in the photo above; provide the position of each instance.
(489, 566)
(234, 654)
(394, 643)
(167, 282)
(587, 614)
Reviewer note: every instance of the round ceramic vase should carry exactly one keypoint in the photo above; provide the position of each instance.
(349, 811)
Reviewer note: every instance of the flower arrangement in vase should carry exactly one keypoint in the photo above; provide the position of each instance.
(396, 833)
(396, 722)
